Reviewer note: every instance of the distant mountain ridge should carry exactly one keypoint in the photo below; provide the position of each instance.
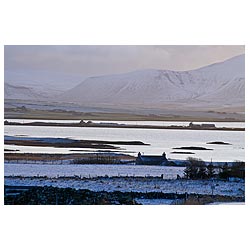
(20, 92)
(219, 84)
(30, 92)
(216, 87)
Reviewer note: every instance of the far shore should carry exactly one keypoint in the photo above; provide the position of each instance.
(117, 125)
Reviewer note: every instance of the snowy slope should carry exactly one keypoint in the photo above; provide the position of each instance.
(221, 83)
(20, 92)
(40, 92)
(45, 90)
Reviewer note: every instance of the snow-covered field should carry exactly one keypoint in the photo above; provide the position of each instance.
(136, 185)
(34, 175)
(90, 170)
(155, 201)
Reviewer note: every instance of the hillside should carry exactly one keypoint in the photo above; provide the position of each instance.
(220, 85)
(20, 92)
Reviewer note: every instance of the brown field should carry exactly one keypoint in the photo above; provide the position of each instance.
(17, 113)
(56, 157)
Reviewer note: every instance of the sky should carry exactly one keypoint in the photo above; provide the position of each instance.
(66, 66)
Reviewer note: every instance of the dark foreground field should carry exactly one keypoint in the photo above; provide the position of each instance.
(23, 195)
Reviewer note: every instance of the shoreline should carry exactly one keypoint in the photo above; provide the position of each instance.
(108, 117)
(89, 158)
(117, 125)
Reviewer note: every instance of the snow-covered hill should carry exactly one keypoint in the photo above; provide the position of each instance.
(220, 84)
(42, 92)
(20, 92)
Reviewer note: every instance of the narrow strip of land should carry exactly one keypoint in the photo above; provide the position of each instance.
(117, 125)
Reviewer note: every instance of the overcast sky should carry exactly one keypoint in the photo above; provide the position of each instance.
(67, 66)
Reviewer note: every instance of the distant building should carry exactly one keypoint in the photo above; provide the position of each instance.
(203, 125)
(151, 159)
(191, 125)
(208, 125)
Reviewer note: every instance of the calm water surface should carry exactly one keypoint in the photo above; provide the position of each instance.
(159, 140)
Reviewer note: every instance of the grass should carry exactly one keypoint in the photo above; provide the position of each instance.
(56, 157)
(15, 113)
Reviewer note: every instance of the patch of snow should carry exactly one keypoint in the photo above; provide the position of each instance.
(154, 201)
(227, 203)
